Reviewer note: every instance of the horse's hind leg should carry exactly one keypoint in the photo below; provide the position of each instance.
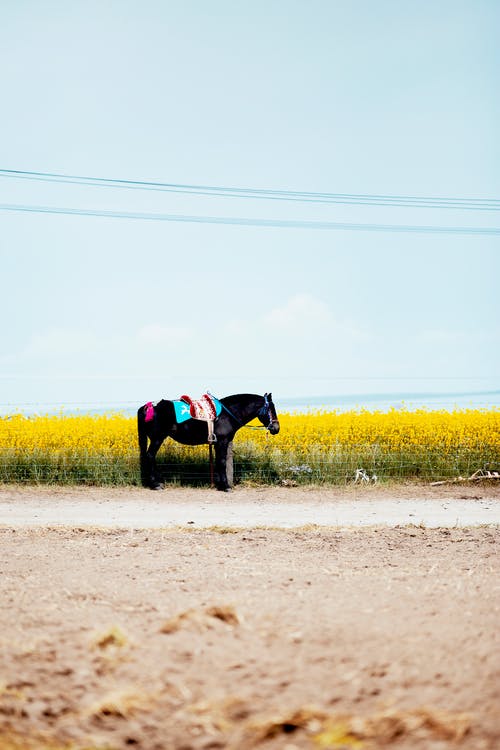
(150, 476)
(150, 437)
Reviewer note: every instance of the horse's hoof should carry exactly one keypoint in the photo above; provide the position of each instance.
(224, 489)
(156, 487)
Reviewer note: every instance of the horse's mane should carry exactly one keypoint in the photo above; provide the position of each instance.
(240, 398)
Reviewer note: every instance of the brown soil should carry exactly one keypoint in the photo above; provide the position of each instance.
(268, 639)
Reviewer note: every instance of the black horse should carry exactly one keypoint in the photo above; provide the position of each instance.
(236, 412)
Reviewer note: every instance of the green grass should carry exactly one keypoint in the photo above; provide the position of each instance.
(251, 465)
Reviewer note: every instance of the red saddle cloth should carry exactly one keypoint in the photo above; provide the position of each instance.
(202, 408)
(149, 412)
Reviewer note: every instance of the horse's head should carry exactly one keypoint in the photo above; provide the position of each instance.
(268, 416)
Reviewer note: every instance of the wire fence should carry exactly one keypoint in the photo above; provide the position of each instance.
(275, 469)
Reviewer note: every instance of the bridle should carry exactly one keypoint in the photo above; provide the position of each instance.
(266, 412)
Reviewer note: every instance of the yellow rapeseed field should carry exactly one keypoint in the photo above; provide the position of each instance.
(319, 447)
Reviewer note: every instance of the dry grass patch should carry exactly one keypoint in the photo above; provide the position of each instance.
(202, 619)
(114, 638)
(122, 704)
(14, 741)
(332, 732)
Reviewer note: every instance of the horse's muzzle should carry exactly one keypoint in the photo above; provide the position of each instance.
(274, 427)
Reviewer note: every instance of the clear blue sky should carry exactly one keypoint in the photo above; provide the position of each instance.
(362, 97)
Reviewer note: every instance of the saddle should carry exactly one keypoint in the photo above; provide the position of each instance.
(207, 408)
(204, 409)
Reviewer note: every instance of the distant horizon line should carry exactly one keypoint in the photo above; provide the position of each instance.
(329, 400)
(396, 394)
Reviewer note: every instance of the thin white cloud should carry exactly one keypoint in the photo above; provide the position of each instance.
(301, 310)
(158, 334)
(441, 336)
(60, 342)
(304, 315)
(459, 338)
(54, 348)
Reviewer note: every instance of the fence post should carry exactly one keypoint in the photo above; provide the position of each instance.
(229, 464)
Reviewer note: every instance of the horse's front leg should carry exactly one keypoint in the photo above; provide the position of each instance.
(221, 481)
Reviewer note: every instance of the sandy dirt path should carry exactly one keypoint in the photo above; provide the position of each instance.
(444, 506)
(189, 638)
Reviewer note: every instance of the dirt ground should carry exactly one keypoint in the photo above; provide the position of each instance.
(198, 639)
(449, 505)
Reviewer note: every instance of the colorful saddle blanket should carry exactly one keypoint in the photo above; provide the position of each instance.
(207, 408)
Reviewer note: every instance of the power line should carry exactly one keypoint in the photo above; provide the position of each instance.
(232, 376)
(249, 222)
(409, 201)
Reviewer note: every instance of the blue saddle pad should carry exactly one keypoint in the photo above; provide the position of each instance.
(182, 413)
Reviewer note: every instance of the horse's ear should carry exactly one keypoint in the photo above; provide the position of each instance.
(269, 396)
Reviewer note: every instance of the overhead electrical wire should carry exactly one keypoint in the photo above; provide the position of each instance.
(250, 222)
(488, 204)
(408, 201)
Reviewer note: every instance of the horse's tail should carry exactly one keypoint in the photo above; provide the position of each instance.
(143, 439)
(141, 431)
